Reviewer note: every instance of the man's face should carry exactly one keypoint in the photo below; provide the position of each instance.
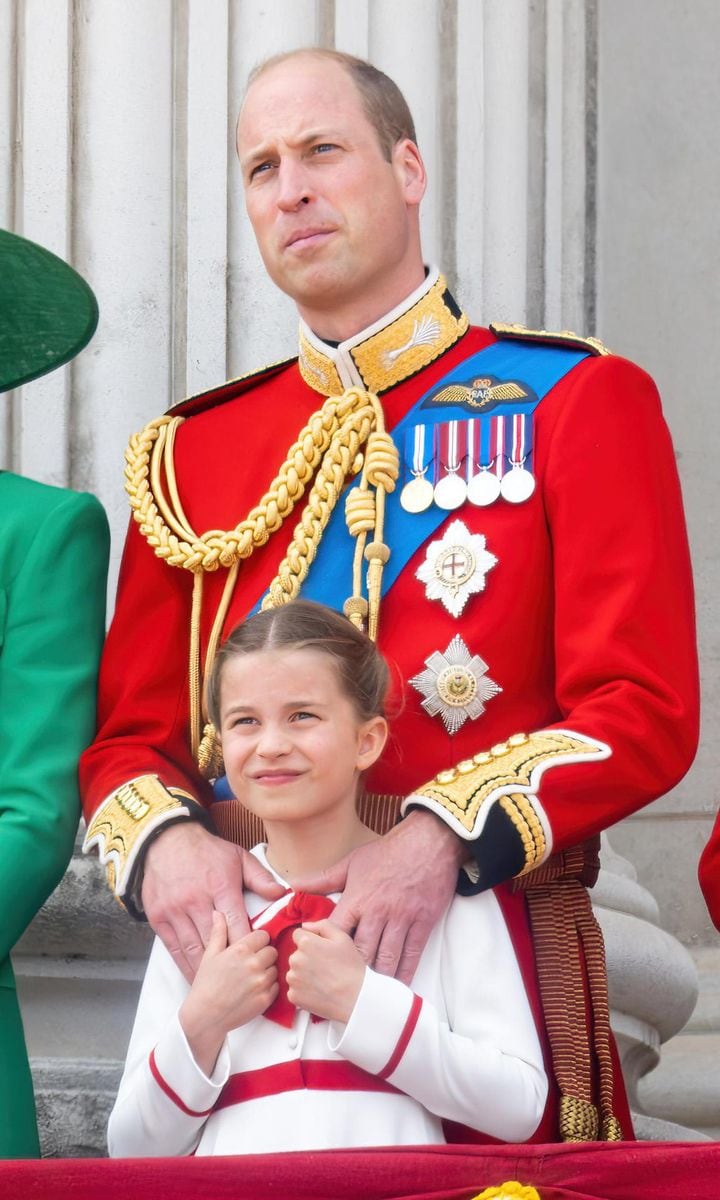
(336, 223)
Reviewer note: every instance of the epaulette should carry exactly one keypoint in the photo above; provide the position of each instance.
(564, 337)
(230, 390)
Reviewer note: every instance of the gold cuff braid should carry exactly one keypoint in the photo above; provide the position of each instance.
(508, 773)
(125, 819)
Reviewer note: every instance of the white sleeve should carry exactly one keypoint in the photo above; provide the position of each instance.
(479, 1063)
(164, 1098)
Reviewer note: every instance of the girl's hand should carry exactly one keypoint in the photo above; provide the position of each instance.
(325, 971)
(233, 985)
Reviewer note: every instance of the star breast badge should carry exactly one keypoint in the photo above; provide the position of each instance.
(455, 567)
(455, 685)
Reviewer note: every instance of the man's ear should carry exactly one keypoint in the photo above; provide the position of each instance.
(372, 737)
(410, 170)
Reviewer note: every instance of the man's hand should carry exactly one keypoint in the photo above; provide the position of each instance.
(233, 985)
(394, 890)
(189, 873)
(325, 972)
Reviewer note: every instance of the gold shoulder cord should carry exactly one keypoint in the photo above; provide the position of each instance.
(330, 444)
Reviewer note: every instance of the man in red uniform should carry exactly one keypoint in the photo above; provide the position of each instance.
(528, 576)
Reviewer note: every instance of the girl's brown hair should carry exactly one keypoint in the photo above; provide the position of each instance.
(303, 625)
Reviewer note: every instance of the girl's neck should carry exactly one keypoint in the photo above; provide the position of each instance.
(296, 849)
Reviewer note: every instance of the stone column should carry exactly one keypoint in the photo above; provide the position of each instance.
(652, 983)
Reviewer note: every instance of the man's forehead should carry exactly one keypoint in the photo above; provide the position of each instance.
(297, 103)
(275, 92)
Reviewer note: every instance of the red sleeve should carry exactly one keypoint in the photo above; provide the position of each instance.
(709, 873)
(625, 653)
(143, 691)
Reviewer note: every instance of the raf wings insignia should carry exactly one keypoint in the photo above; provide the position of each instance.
(479, 395)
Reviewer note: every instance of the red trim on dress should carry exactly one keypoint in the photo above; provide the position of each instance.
(326, 1075)
(402, 1043)
(165, 1087)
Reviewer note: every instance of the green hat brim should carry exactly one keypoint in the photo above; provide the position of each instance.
(48, 313)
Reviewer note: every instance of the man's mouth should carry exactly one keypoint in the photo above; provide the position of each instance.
(301, 239)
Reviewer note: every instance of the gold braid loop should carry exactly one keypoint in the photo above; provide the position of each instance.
(333, 440)
(166, 529)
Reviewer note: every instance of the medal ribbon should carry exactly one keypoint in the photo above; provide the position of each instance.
(519, 439)
(497, 444)
(450, 447)
(418, 451)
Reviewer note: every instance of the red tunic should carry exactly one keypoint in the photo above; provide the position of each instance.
(586, 622)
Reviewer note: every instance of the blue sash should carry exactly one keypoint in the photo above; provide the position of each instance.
(538, 367)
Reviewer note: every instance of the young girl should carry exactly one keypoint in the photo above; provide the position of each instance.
(286, 1040)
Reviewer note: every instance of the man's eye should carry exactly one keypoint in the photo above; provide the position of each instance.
(260, 169)
(323, 147)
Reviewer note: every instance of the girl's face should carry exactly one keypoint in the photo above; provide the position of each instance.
(293, 744)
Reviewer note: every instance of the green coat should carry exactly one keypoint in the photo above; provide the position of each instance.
(53, 566)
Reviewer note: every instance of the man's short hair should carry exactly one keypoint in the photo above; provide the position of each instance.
(385, 106)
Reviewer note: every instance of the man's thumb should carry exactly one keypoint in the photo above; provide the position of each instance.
(332, 879)
(257, 879)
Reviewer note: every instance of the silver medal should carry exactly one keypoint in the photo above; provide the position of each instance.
(417, 495)
(483, 488)
(450, 492)
(517, 486)
(455, 685)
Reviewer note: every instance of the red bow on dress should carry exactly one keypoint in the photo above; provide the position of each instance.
(301, 907)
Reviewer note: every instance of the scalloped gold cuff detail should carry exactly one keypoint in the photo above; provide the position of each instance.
(508, 773)
(124, 820)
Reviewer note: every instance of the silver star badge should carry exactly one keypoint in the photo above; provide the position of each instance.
(455, 567)
(455, 685)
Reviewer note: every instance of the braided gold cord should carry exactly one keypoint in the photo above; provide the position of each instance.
(364, 510)
(166, 528)
(322, 499)
(333, 437)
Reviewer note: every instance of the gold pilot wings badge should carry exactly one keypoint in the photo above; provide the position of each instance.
(480, 395)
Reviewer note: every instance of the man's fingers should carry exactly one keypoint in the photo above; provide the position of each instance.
(183, 942)
(389, 952)
(344, 915)
(415, 943)
(257, 879)
(367, 937)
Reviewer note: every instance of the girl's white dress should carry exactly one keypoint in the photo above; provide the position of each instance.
(460, 1043)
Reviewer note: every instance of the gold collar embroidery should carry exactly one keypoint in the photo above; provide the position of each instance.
(402, 343)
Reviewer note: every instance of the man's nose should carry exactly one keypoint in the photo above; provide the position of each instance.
(293, 185)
